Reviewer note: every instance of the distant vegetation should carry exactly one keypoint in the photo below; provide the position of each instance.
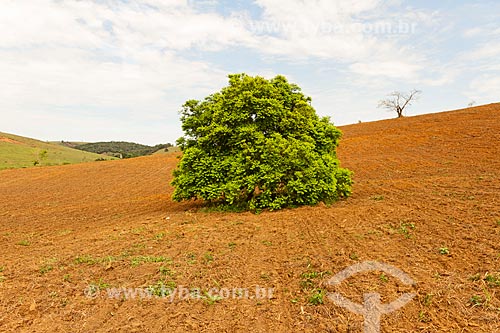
(21, 152)
(122, 149)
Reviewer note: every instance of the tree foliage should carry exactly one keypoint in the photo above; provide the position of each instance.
(258, 144)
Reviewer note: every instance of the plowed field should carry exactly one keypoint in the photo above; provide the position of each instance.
(426, 200)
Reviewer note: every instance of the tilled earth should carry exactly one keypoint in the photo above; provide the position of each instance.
(101, 247)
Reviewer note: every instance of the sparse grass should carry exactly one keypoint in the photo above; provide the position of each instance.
(64, 232)
(162, 288)
(211, 299)
(191, 258)
(67, 278)
(166, 271)
(136, 261)
(476, 300)
(137, 231)
(232, 245)
(159, 236)
(475, 277)
(267, 243)
(47, 266)
(377, 197)
(493, 280)
(24, 242)
(423, 317)
(308, 279)
(208, 257)
(109, 259)
(427, 301)
(444, 250)
(100, 285)
(405, 229)
(138, 246)
(353, 256)
(316, 297)
(85, 259)
(384, 278)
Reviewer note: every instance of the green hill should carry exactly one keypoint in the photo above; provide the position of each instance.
(20, 152)
(122, 149)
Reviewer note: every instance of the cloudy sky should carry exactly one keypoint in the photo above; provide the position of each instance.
(121, 69)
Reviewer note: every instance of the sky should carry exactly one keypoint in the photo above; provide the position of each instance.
(120, 70)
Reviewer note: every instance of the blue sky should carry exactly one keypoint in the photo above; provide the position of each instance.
(121, 69)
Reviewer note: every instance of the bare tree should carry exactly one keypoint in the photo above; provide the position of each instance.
(398, 101)
(472, 103)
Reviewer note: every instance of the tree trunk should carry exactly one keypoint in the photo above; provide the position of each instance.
(399, 110)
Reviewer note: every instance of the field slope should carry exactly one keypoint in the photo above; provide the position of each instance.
(426, 200)
(21, 152)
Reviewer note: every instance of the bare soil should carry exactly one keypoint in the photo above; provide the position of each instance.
(8, 140)
(426, 200)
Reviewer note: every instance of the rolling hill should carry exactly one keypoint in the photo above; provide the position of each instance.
(21, 152)
(426, 200)
(122, 149)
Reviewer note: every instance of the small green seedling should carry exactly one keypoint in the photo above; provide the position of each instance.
(476, 300)
(316, 297)
(444, 250)
(384, 278)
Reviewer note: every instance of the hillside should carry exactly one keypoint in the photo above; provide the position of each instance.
(20, 152)
(69, 144)
(426, 200)
(122, 149)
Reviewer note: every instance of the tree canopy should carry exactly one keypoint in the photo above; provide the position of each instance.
(258, 144)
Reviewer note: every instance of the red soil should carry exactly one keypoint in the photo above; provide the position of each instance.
(426, 200)
(8, 140)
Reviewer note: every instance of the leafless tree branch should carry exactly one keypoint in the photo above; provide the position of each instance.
(398, 101)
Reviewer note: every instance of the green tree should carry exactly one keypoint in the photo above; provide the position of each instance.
(258, 144)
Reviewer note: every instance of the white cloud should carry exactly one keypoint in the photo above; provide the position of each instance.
(473, 32)
(485, 88)
(363, 34)
(485, 51)
(393, 69)
(128, 55)
(114, 61)
(106, 63)
(321, 28)
(70, 39)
